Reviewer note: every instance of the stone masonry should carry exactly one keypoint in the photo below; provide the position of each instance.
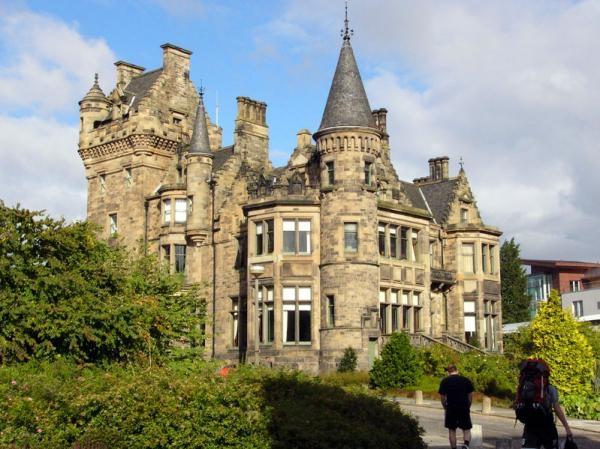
(348, 253)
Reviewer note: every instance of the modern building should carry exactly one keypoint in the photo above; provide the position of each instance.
(561, 275)
(331, 250)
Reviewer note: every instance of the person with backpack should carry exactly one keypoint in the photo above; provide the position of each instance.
(536, 401)
(456, 393)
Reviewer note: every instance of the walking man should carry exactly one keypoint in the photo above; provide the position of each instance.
(456, 394)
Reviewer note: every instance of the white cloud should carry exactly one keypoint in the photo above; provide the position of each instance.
(510, 86)
(47, 67)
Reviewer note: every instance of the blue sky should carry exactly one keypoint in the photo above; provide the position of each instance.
(509, 86)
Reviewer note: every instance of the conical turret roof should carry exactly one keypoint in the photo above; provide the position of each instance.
(347, 103)
(200, 143)
(95, 92)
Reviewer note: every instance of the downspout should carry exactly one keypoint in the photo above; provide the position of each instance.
(212, 183)
(145, 226)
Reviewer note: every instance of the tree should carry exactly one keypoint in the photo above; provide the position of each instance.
(556, 339)
(399, 364)
(65, 293)
(515, 300)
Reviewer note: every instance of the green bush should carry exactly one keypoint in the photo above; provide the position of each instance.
(345, 379)
(436, 358)
(348, 361)
(490, 374)
(399, 364)
(581, 407)
(65, 293)
(61, 405)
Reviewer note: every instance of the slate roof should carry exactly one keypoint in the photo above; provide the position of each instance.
(347, 103)
(221, 156)
(200, 143)
(139, 86)
(438, 196)
(413, 194)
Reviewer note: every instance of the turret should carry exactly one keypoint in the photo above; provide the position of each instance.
(349, 143)
(199, 171)
(93, 107)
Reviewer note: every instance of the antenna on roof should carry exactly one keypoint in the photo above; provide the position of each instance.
(217, 107)
(346, 32)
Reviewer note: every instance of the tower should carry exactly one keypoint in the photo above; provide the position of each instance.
(93, 107)
(199, 171)
(348, 143)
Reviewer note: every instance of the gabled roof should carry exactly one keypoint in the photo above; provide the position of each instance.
(139, 86)
(413, 194)
(221, 156)
(347, 103)
(438, 196)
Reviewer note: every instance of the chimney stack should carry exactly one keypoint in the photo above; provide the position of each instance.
(304, 138)
(438, 168)
(176, 60)
(252, 111)
(380, 116)
(126, 71)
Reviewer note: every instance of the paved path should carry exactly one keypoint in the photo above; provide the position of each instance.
(499, 424)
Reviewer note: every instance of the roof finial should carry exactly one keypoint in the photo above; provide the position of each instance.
(461, 163)
(95, 78)
(346, 32)
(201, 90)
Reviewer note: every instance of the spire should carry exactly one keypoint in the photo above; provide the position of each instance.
(200, 143)
(95, 92)
(347, 103)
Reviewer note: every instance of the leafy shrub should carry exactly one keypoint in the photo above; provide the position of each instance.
(65, 293)
(348, 361)
(519, 344)
(436, 358)
(399, 364)
(308, 415)
(581, 407)
(188, 405)
(491, 375)
(556, 339)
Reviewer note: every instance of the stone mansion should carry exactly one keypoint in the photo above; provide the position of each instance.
(330, 251)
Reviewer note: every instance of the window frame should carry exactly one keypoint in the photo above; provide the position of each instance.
(463, 256)
(368, 172)
(266, 318)
(330, 170)
(113, 224)
(297, 236)
(348, 234)
(167, 211)
(298, 305)
(180, 258)
(183, 206)
(330, 310)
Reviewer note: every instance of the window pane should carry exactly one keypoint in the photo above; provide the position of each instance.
(330, 310)
(403, 243)
(166, 211)
(304, 294)
(289, 324)
(469, 324)
(289, 236)
(394, 297)
(381, 233)
(179, 258)
(467, 258)
(270, 233)
(381, 295)
(415, 247)
(180, 211)
(259, 238)
(330, 173)
(383, 318)
(404, 297)
(304, 323)
(350, 236)
(484, 258)
(289, 293)
(405, 317)
(416, 299)
(304, 236)
(469, 306)
(393, 242)
(270, 324)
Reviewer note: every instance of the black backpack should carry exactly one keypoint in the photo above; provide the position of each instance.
(532, 405)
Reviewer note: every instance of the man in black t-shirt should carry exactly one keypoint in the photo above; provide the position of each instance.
(456, 393)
